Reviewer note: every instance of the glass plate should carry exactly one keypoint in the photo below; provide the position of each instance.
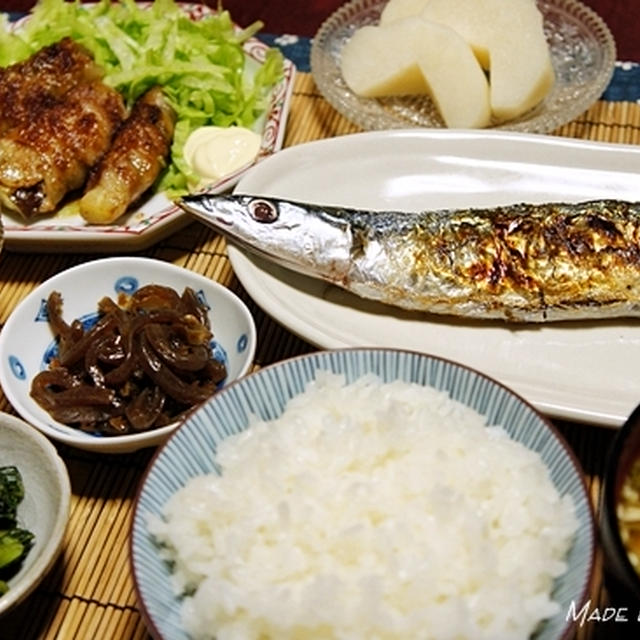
(582, 50)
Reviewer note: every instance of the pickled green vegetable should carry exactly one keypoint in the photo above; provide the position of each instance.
(15, 541)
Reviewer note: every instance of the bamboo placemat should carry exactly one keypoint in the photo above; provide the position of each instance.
(89, 593)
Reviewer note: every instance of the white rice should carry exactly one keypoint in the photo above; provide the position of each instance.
(369, 511)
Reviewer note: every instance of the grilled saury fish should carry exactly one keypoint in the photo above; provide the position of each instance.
(522, 262)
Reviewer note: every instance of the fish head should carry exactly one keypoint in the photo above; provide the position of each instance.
(238, 216)
(297, 235)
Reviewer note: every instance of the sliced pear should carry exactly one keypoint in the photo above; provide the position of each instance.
(415, 56)
(396, 10)
(508, 39)
(506, 36)
(374, 65)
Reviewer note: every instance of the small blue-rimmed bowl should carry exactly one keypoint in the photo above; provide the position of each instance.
(190, 452)
(26, 339)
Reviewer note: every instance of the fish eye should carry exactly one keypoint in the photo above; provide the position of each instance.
(263, 211)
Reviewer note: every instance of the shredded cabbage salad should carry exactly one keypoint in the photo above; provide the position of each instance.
(200, 64)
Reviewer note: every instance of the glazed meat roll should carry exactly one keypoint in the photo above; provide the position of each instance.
(134, 161)
(28, 86)
(45, 158)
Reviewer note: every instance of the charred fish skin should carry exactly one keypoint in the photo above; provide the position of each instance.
(519, 263)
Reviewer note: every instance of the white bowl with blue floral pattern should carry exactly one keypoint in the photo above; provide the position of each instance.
(26, 341)
(190, 452)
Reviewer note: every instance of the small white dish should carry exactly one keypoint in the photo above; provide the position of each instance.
(45, 508)
(26, 337)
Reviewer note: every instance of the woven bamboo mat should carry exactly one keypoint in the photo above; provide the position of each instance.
(89, 594)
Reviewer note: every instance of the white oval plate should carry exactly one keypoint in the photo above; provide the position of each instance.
(26, 339)
(157, 216)
(583, 371)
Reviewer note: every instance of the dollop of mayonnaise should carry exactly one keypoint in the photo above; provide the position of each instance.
(216, 152)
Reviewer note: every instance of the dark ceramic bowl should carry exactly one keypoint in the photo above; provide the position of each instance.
(623, 582)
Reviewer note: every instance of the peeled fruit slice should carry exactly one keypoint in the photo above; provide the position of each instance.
(415, 56)
(506, 36)
(508, 39)
(396, 10)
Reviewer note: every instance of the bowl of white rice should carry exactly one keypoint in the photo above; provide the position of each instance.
(363, 494)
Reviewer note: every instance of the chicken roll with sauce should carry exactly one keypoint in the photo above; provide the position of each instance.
(134, 161)
(47, 157)
(28, 86)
